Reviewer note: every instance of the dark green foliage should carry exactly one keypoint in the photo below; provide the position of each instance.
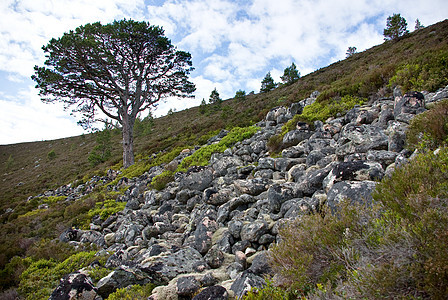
(203, 107)
(290, 74)
(143, 127)
(159, 182)
(429, 73)
(267, 84)
(214, 98)
(395, 28)
(350, 51)
(429, 130)
(102, 151)
(119, 69)
(240, 95)
(51, 155)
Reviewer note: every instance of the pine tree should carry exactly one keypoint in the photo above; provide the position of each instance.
(214, 98)
(290, 74)
(395, 28)
(267, 84)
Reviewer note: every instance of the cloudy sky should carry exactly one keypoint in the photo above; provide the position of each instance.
(233, 44)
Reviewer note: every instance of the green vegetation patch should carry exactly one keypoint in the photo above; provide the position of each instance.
(106, 208)
(132, 292)
(429, 130)
(326, 109)
(392, 249)
(202, 156)
(42, 276)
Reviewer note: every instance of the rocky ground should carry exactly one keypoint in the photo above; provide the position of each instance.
(208, 232)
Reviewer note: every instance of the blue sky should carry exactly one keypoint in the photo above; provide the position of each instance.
(233, 44)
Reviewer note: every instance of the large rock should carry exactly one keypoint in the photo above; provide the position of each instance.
(294, 137)
(253, 231)
(198, 178)
(167, 266)
(187, 286)
(216, 292)
(355, 170)
(203, 234)
(410, 103)
(245, 282)
(75, 286)
(252, 187)
(279, 193)
(355, 191)
(121, 277)
(362, 138)
(222, 166)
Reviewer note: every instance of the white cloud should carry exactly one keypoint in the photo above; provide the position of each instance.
(26, 118)
(233, 43)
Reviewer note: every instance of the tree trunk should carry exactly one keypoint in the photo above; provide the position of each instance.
(128, 142)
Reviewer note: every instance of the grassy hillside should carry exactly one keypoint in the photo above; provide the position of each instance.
(416, 61)
(366, 74)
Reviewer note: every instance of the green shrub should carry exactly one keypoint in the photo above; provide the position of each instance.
(9, 162)
(51, 155)
(324, 110)
(42, 276)
(429, 130)
(159, 182)
(106, 208)
(270, 292)
(102, 151)
(393, 249)
(132, 292)
(202, 156)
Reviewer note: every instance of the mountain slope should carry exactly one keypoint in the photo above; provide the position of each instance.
(32, 169)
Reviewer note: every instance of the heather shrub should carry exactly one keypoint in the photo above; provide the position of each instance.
(395, 248)
(159, 182)
(429, 130)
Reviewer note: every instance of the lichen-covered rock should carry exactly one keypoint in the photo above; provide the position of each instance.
(216, 292)
(358, 191)
(355, 170)
(75, 286)
(187, 286)
(253, 231)
(410, 103)
(121, 277)
(167, 266)
(245, 282)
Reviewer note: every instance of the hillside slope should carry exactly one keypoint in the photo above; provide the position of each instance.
(233, 181)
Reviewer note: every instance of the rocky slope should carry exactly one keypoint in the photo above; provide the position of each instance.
(207, 233)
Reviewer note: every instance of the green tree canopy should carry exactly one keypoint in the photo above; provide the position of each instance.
(240, 95)
(214, 98)
(267, 84)
(113, 71)
(396, 27)
(290, 74)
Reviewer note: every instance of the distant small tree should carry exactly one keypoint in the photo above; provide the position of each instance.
(51, 155)
(9, 162)
(102, 151)
(267, 84)
(350, 51)
(203, 107)
(290, 74)
(396, 27)
(418, 25)
(214, 98)
(240, 95)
